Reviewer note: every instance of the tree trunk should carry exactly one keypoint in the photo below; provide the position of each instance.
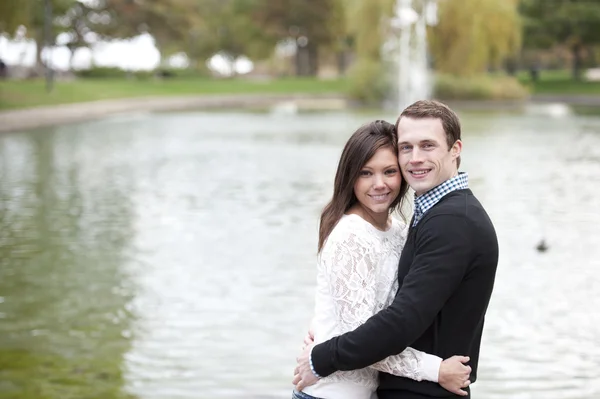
(71, 58)
(39, 47)
(302, 60)
(577, 61)
(313, 60)
(342, 63)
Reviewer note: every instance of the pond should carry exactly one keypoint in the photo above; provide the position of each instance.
(172, 255)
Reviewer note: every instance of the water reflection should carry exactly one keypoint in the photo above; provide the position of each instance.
(175, 252)
(64, 324)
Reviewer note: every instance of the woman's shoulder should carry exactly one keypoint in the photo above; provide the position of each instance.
(350, 228)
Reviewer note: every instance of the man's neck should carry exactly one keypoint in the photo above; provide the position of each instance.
(433, 188)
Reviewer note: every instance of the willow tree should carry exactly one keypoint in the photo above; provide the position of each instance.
(365, 20)
(473, 35)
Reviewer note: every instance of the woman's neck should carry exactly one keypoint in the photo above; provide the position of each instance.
(381, 221)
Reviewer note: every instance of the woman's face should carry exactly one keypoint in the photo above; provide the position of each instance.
(379, 180)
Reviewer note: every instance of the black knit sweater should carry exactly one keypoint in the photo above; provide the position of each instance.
(446, 275)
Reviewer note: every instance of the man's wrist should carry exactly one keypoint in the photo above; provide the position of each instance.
(320, 359)
(312, 367)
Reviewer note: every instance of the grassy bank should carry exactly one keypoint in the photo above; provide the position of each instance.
(557, 83)
(31, 93)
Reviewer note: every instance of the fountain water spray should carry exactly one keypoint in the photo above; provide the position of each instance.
(409, 41)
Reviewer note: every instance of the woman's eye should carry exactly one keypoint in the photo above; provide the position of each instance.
(390, 171)
(365, 173)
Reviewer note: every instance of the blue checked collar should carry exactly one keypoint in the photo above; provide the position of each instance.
(425, 202)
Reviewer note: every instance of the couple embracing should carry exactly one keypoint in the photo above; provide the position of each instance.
(399, 309)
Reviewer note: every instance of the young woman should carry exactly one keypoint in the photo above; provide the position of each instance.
(359, 249)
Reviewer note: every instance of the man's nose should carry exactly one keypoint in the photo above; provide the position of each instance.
(416, 156)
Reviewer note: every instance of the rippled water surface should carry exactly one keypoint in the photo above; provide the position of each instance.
(163, 256)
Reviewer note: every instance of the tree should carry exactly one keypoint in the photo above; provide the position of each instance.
(572, 23)
(13, 13)
(311, 23)
(226, 27)
(364, 18)
(467, 42)
(168, 21)
(31, 14)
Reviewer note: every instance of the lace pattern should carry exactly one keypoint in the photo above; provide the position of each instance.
(361, 265)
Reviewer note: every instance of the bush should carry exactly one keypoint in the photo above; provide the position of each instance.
(178, 73)
(367, 82)
(483, 87)
(118, 73)
(102, 72)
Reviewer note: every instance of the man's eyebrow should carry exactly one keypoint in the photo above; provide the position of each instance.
(420, 142)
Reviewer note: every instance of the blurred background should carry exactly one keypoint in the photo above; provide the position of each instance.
(163, 164)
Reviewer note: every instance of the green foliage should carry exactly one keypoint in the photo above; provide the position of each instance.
(367, 83)
(367, 78)
(228, 28)
(571, 23)
(466, 42)
(12, 14)
(160, 73)
(102, 72)
(561, 21)
(317, 20)
(479, 87)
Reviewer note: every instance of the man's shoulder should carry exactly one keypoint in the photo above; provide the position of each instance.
(457, 205)
(455, 202)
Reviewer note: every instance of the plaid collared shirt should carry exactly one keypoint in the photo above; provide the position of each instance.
(424, 202)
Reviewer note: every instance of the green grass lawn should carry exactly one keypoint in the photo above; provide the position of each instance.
(31, 93)
(559, 82)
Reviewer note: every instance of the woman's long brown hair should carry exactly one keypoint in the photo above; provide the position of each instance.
(359, 149)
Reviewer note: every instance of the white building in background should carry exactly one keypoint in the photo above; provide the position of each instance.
(138, 53)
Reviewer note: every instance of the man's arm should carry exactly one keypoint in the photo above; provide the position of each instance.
(440, 263)
(352, 279)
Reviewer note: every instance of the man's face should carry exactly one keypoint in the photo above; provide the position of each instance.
(423, 154)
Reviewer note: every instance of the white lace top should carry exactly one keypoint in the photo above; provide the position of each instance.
(356, 278)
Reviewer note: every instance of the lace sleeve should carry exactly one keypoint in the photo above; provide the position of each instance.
(412, 364)
(350, 270)
(350, 267)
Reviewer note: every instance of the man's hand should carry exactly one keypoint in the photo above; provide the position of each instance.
(303, 375)
(454, 375)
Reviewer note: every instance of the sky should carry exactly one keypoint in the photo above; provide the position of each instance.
(138, 53)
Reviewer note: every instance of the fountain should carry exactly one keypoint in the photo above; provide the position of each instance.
(409, 48)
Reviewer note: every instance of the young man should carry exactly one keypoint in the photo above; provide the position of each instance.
(446, 272)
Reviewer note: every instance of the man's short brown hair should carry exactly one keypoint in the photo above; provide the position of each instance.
(425, 109)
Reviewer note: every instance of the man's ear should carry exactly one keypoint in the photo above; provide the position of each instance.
(456, 149)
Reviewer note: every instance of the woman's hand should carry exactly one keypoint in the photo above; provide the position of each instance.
(310, 338)
(454, 374)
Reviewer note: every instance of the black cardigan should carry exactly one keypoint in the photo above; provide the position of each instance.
(446, 275)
